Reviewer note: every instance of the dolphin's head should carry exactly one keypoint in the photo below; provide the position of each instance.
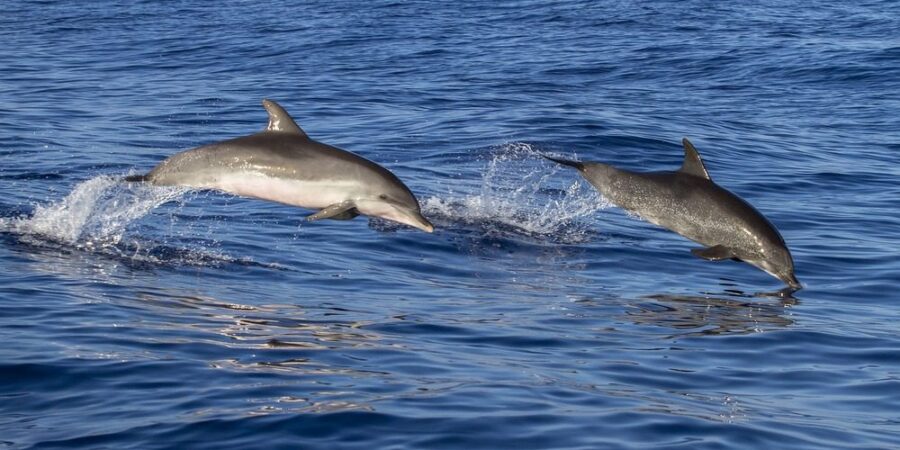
(396, 203)
(779, 263)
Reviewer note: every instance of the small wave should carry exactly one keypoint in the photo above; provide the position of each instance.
(522, 195)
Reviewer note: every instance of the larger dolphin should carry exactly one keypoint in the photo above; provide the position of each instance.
(282, 164)
(687, 202)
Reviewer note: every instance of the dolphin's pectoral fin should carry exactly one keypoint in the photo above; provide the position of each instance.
(339, 211)
(346, 215)
(714, 253)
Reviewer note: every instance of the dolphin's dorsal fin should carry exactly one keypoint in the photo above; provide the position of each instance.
(280, 120)
(692, 164)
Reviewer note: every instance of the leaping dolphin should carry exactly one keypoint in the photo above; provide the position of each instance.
(282, 164)
(689, 203)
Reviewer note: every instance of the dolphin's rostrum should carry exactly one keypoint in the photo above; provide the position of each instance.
(284, 165)
(689, 203)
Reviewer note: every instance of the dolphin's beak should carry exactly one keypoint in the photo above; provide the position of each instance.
(419, 221)
(406, 216)
(792, 281)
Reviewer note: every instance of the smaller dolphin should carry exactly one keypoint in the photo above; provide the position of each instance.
(687, 202)
(282, 164)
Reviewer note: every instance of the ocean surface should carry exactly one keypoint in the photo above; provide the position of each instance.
(537, 315)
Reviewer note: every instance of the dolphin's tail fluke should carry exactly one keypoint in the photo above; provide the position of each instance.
(576, 164)
(135, 178)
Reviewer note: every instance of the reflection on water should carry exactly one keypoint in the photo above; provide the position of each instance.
(696, 315)
(313, 345)
(282, 327)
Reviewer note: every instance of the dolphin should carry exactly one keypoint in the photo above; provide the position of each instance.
(689, 203)
(284, 165)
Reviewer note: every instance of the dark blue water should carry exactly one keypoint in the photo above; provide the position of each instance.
(536, 316)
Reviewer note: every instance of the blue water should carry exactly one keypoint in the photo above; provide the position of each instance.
(536, 316)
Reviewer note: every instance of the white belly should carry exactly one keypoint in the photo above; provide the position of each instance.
(305, 194)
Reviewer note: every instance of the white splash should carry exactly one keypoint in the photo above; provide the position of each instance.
(523, 194)
(95, 214)
(95, 218)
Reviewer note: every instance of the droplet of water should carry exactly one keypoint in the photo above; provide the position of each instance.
(95, 214)
(520, 194)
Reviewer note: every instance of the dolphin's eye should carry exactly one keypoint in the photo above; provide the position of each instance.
(382, 197)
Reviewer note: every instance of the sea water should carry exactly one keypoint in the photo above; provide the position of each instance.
(537, 315)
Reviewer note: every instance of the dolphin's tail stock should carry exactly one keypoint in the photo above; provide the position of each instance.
(135, 178)
(576, 164)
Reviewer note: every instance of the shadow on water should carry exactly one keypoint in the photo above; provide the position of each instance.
(711, 315)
